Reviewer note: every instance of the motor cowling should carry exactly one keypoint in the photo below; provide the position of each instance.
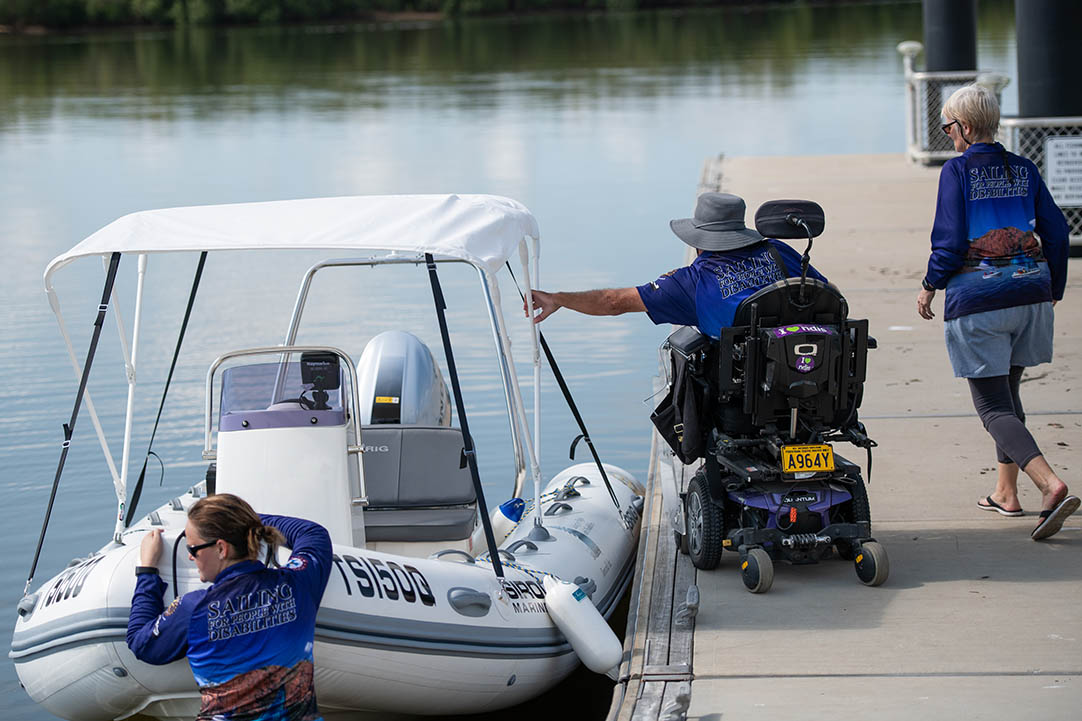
(399, 382)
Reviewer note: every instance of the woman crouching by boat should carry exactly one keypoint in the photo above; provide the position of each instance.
(249, 636)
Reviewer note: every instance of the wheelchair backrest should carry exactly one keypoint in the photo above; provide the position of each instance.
(789, 349)
(780, 303)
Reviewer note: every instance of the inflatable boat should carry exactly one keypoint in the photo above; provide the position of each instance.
(435, 605)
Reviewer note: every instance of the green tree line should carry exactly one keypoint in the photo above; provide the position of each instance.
(20, 14)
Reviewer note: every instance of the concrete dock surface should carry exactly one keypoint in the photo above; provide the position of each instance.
(976, 621)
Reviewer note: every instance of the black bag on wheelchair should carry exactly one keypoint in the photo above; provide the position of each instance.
(682, 415)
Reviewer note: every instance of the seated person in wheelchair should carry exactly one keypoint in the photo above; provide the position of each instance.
(733, 262)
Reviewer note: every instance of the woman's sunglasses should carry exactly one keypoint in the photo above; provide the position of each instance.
(193, 550)
(947, 127)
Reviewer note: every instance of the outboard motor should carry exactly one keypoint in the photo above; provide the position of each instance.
(399, 382)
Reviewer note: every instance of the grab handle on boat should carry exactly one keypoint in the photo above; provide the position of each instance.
(469, 602)
(504, 553)
(522, 542)
(566, 492)
(27, 604)
(453, 552)
(556, 508)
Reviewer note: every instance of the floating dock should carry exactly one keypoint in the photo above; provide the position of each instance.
(976, 620)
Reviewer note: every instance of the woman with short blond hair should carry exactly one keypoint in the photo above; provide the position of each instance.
(999, 249)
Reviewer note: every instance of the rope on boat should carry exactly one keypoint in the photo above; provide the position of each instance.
(69, 427)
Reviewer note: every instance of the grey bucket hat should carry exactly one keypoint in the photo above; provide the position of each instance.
(718, 224)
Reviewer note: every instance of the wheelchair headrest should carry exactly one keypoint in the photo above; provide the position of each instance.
(782, 219)
(779, 303)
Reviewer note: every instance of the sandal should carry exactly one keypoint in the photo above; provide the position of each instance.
(990, 505)
(1052, 520)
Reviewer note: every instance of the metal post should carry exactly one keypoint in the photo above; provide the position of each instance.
(910, 49)
(950, 34)
(1049, 63)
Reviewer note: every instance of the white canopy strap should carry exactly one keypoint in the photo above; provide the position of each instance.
(54, 303)
(125, 348)
(69, 427)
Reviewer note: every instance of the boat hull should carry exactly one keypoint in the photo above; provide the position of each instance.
(394, 633)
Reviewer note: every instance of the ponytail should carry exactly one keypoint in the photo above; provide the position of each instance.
(229, 518)
(268, 535)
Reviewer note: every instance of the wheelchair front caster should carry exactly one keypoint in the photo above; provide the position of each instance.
(871, 563)
(757, 571)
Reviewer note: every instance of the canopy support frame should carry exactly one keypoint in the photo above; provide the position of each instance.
(69, 427)
(494, 324)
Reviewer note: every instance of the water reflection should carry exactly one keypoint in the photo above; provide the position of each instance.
(201, 73)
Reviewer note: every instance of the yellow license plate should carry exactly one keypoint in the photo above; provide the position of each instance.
(807, 459)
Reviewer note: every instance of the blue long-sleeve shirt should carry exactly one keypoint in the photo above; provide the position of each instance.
(984, 250)
(248, 637)
(707, 292)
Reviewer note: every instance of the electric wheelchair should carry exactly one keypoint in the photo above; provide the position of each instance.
(776, 390)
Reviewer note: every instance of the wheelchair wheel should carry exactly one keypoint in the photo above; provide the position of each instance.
(859, 511)
(704, 525)
(872, 564)
(757, 571)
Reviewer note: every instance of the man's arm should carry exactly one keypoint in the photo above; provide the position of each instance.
(608, 301)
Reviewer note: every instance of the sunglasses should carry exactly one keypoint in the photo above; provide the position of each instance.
(947, 127)
(193, 550)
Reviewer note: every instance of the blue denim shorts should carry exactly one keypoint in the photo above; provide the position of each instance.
(981, 345)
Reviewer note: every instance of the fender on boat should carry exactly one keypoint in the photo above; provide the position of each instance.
(504, 518)
(586, 630)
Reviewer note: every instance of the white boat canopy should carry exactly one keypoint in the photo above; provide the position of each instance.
(481, 229)
(485, 231)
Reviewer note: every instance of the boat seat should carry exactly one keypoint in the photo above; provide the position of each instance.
(418, 489)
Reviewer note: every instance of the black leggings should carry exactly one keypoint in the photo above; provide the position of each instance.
(1000, 408)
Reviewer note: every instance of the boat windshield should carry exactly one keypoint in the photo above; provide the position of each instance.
(251, 388)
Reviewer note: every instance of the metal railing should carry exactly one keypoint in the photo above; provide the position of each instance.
(925, 93)
(1033, 138)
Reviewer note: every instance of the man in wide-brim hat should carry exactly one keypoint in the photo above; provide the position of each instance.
(733, 262)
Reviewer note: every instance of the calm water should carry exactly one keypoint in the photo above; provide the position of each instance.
(599, 124)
